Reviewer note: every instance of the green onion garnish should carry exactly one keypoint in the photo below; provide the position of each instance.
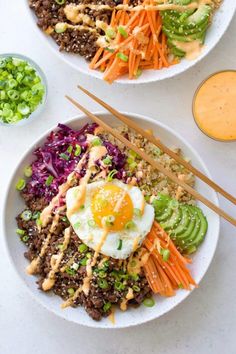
(20, 184)
(130, 225)
(77, 225)
(60, 2)
(109, 220)
(28, 171)
(110, 33)
(36, 215)
(77, 150)
(96, 142)
(136, 288)
(83, 261)
(120, 245)
(137, 212)
(49, 181)
(70, 271)
(106, 306)
(25, 238)
(180, 285)
(88, 255)
(61, 27)
(149, 302)
(82, 248)
(138, 73)
(69, 149)
(111, 175)
(122, 56)
(119, 286)
(71, 291)
(64, 156)
(60, 247)
(135, 277)
(26, 215)
(107, 160)
(64, 219)
(91, 223)
(20, 232)
(102, 274)
(102, 283)
(110, 50)
(165, 254)
(122, 31)
(39, 222)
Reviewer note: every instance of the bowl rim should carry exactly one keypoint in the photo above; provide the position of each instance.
(100, 324)
(96, 75)
(43, 77)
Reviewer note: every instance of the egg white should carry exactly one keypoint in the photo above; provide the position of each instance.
(91, 236)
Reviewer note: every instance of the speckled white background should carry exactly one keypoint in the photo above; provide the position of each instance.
(206, 321)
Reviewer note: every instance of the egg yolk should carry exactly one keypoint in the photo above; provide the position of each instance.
(111, 207)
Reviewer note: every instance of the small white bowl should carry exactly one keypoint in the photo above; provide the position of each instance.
(220, 23)
(14, 204)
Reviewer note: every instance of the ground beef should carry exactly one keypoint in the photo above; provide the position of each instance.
(71, 279)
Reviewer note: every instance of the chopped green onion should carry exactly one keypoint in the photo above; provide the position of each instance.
(133, 154)
(110, 50)
(61, 27)
(105, 265)
(49, 181)
(26, 215)
(23, 109)
(91, 223)
(88, 255)
(77, 225)
(60, 2)
(111, 175)
(130, 225)
(110, 33)
(107, 160)
(156, 151)
(136, 288)
(64, 219)
(102, 274)
(36, 215)
(82, 207)
(77, 150)
(20, 232)
(122, 56)
(70, 149)
(70, 271)
(135, 277)
(138, 73)
(122, 31)
(25, 238)
(120, 245)
(119, 286)
(60, 247)
(109, 220)
(132, 165)
(106, 306)
(28, 171)
(149, 302)
(71, 291)
(20, 184)
(102, 283)
(64, 156)
(82, 248)
(165, 254)
(96, 142)
(180, 285)
(83, 261)
(39, 222)
(137, 212)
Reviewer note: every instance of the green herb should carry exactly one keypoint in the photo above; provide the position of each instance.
(102, 283)
(180, 285)
(28, 171)
(91, 223)
(26, 215)
(109, 220)
(106, 306)
(20, 232)
(107, 160)
(122, 31)
(64, 219)
(110, 50)
(70, 149)
(102, 274)
(130, 225)
(96, 142)
(110, 33)
(88, 255)
(36, 215)
(137, 212)
(60, 247)
(120, 245)
(82, 248)
(77, 150)
(77, 225)
(20, 184)
(71, 291)
(136, 288)
(122, 56)
(70, 271)
(39, 222)
(111, 175)
(119, 286)
(61, 27)
(165, 254)
(25, 238)
(49, 180)
(149, 302)
(83, 261)
(64, 156)
(135, 277)
(105, 265)
(60, 2)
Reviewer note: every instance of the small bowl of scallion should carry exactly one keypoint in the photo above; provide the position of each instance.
(23, 89)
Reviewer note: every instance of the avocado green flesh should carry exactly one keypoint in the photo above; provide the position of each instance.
(183, 224)
(166, 214)
(173, 221)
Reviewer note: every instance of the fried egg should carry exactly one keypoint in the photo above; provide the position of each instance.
(112, 218)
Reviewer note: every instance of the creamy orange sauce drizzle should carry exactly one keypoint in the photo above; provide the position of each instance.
(192, 49)
(111, 317)
(214, 107)
(129, 296)
(136, 263)
(56, 259)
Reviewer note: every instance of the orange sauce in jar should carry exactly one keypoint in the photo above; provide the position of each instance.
(214, 106)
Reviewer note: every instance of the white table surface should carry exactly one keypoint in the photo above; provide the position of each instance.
(206, 321)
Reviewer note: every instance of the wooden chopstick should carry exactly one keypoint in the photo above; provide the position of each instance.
(154, 164)
(161, 146)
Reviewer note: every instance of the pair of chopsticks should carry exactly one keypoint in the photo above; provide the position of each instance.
(156, 165)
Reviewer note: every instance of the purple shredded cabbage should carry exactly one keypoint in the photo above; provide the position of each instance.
(50, 162)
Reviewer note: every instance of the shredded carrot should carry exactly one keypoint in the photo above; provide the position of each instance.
(165, 276)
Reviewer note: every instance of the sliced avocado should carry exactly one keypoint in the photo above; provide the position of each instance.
(173, 221)
(183, 38)
(197, 239)
(200, 15)
(160, 203)
(184, 222)
(185, 238)
(166, 214)
(185, 30)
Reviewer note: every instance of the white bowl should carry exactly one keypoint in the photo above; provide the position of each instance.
(221, 21)
(201, 260)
